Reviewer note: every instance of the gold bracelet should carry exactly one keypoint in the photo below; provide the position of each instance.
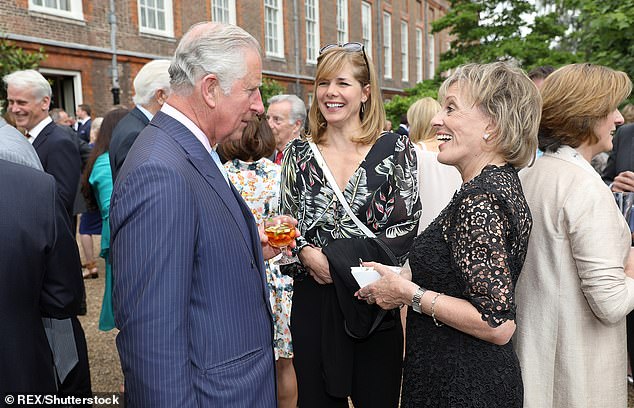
(433, 313)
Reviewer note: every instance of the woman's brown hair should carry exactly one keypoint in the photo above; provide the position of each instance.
(257, 141)
(102, 143)
(576, 97)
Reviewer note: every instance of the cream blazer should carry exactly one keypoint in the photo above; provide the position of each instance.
(572, 295)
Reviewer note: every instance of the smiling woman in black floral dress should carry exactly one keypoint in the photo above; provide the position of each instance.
(377, 175)
(466, 263)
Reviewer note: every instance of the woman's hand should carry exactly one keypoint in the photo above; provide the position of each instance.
(390, 291)
(316, 264)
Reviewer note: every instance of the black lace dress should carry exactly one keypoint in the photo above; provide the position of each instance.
(474, 250)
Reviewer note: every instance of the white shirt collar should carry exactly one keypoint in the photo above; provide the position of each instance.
(146, 112)
(37, 129)
(176, 114)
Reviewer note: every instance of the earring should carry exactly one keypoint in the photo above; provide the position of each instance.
(362, 108)
(486, 136)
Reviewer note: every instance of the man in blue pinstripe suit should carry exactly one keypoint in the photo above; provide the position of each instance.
(190, 294)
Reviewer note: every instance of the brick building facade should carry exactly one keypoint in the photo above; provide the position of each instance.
(76, 38)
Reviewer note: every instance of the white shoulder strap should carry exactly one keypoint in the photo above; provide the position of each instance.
(337, 191)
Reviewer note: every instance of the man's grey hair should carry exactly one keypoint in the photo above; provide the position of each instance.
(151, 77)
(29, 79)
(298, 108)
(216, 49)
(56, 114)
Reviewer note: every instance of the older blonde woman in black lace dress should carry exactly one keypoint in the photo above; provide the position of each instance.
(465, 264)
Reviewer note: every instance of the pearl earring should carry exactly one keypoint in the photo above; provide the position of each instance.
(486, 136)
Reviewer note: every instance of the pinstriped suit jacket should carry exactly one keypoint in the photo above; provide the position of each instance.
(190, 294)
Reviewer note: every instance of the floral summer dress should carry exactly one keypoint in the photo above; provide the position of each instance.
(258, 183)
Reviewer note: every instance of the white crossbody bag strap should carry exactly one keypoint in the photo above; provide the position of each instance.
(337, 191)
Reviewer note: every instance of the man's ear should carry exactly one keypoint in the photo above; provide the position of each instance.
(210, 89)
(160, 96)
(46, 103)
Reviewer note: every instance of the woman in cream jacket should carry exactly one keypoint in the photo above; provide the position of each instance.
(574, 291)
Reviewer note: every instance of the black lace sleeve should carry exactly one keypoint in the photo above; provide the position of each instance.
(479, 248)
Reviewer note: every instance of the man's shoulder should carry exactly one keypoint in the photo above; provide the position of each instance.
(24, 175)
(58, 136)
(132, 123)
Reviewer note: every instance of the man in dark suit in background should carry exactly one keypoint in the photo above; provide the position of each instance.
(151, 87)
(619, 172)
(403, 127)
(83, 123)
(39, 276)
(190, 292)
(29, 98)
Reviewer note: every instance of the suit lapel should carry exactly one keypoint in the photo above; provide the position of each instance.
(202, 161)
(43, 136)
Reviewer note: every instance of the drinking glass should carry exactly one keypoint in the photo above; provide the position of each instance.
(280, 235)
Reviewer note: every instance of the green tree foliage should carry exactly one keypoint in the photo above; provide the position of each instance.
(14, 58)
(269, 88)
(399, 104)
(484, 31)
(605, 35)
(560, 32)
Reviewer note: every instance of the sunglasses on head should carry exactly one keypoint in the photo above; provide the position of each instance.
(351, 47)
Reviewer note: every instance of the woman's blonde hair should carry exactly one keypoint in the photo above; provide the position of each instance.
(505, 94)
(576, 97)
(419, 117)
(372, 112)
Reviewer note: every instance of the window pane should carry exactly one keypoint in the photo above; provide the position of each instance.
(160, 23)
(271, 19)
(151, 19)
(64, 5)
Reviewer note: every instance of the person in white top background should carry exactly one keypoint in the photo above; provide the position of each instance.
(437, 182)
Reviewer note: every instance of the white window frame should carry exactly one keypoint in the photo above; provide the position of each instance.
(223, 11)
(342, 21)
(404, 51)
(387, 45)
(431, 56)
(312, 31)
(168, 10)
(76, 9)
(366, 26)
(76, 75)
(419, 55)
(276, 37)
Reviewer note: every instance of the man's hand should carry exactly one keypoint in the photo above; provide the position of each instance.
(624, 182)
(271, 252)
